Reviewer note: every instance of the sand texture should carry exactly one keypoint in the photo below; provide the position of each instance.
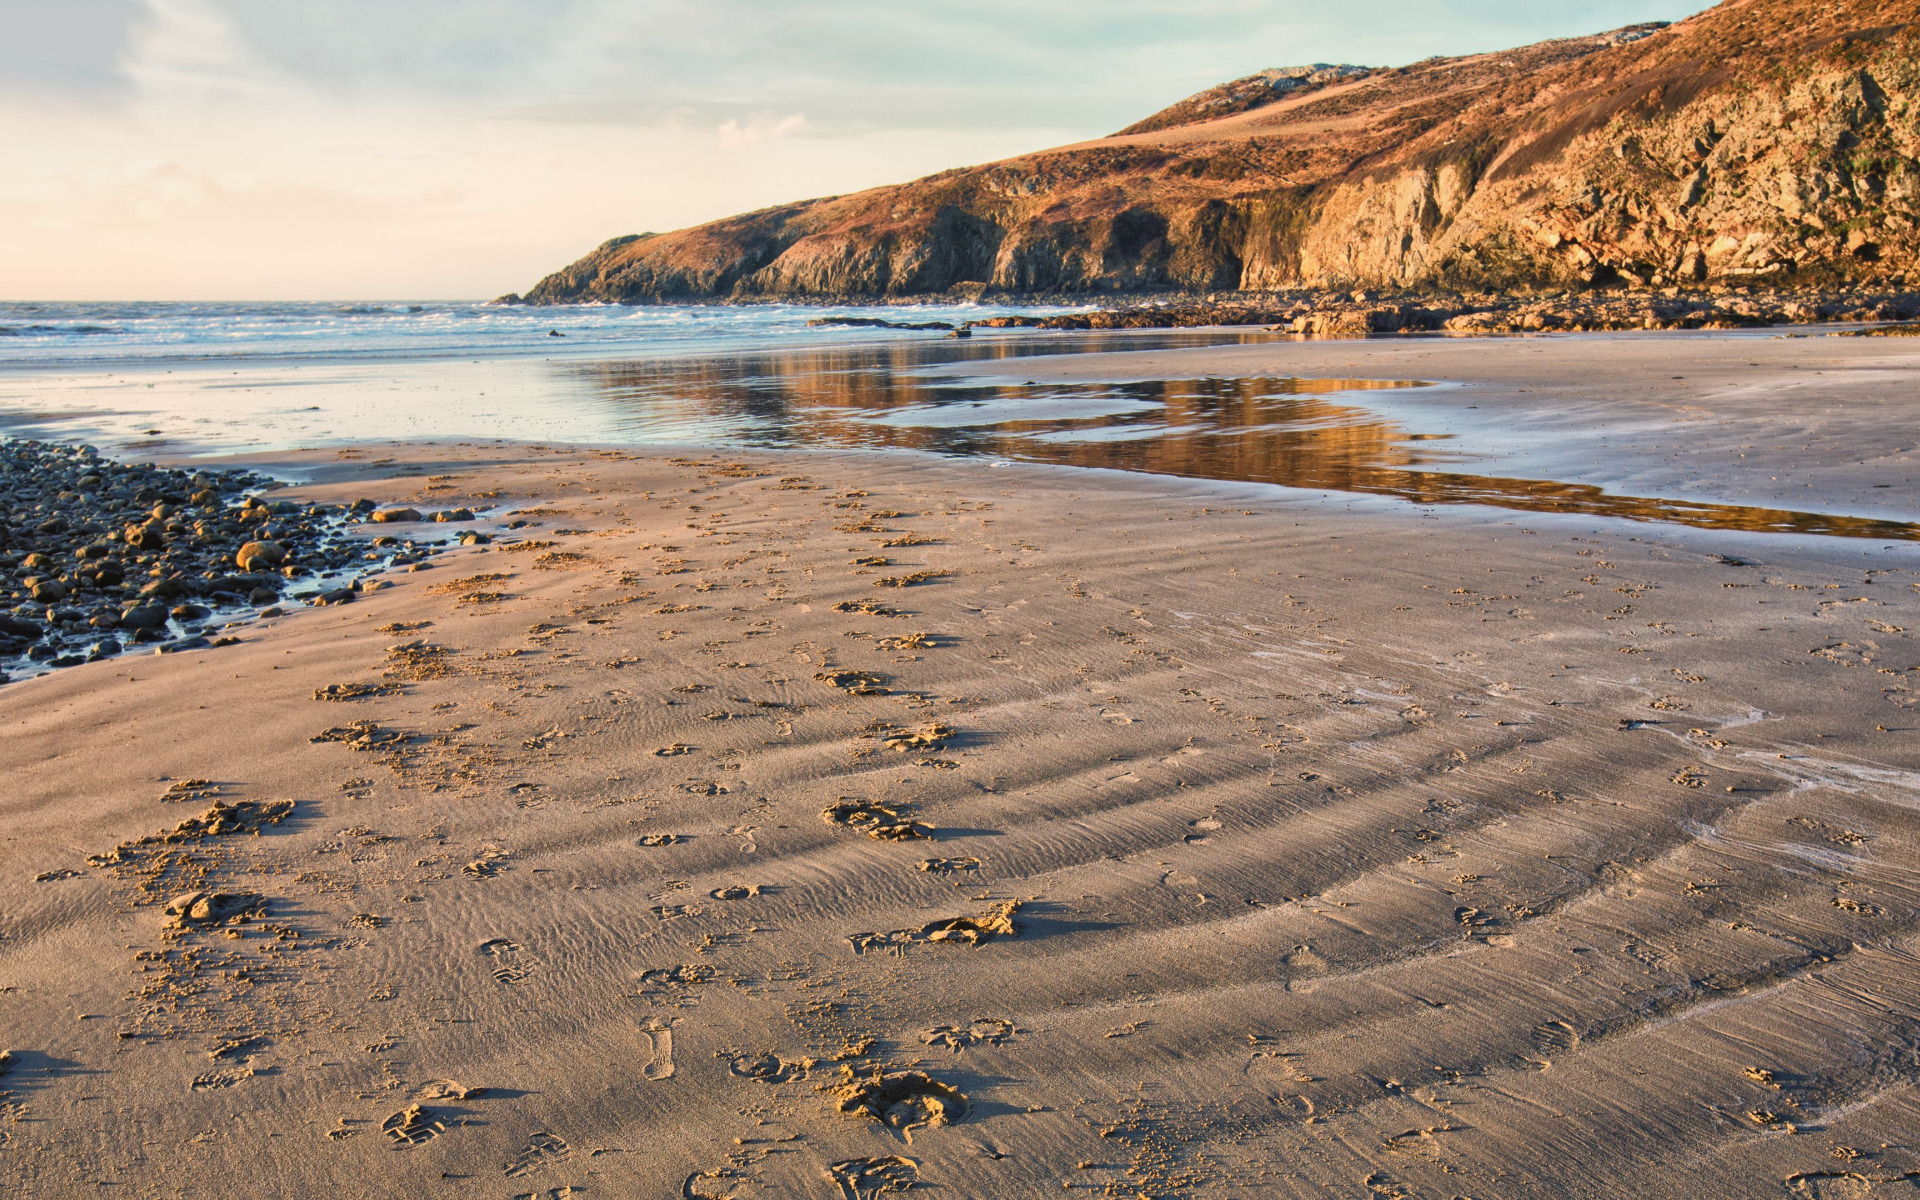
(832, 825)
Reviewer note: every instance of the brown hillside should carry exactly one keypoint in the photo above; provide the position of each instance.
(1763, 140)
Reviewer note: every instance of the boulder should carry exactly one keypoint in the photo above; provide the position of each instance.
(145, 537)
(255, 555)
(145, 616)
(14, 627)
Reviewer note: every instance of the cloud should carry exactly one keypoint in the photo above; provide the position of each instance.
(187, 47)
(734, 135)
(66, 51)
(416, 148)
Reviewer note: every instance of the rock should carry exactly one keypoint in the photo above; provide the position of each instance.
(193, 909)
(456, 514)
(472, 538)
(191, 612)
(144, 537)
(344, 595)
(390, 515)
(163, 589)
(146, 616)
(876, 323)
(38, 562)
(255, 555)
(49, 591)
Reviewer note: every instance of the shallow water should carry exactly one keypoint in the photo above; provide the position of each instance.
(286, 377)
(1301, 433)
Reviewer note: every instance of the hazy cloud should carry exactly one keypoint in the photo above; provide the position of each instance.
(425, 147)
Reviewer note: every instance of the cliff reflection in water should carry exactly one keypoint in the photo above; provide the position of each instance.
(1287, 431)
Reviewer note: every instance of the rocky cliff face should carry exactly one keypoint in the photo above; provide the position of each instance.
(1766, 141)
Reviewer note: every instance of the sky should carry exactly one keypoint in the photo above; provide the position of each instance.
(449, 149)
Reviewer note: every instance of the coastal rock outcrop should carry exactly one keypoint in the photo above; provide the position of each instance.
(1768, 142)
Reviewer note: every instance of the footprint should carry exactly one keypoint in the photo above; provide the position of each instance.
(770, 1067)
(502, 951)
(220, 1079)
(1382, 1186)
(875, 820)
(719, 1183)
(542, 1149)
(862, 1177)
(1555, 1037)
(447, 1089)
(950, 866)
(982, 1031)
(412, 1125)
(659, 1035)
(1305, 965)
(901, 1100)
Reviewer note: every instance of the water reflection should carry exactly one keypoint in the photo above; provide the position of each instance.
(1303, 433)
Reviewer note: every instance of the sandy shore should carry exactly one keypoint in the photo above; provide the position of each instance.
(814, 825)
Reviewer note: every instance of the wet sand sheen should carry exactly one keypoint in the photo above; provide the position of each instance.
(816, 825)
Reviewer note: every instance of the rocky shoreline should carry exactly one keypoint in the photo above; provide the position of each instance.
(1360, 313)
(1368, 311)
(103, 556)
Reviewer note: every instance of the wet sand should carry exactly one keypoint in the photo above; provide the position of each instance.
(1786, 419)
(1115, 835)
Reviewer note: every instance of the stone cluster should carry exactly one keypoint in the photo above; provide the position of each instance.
(1347, 314)
(101, 555)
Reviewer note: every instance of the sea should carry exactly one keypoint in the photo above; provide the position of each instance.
(177, 382)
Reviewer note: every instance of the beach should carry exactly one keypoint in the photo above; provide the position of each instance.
(837, 822)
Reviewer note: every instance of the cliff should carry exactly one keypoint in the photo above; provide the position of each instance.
(1762, 141)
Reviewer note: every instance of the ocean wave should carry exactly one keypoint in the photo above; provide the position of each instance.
(54, 330)
(69, 334)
